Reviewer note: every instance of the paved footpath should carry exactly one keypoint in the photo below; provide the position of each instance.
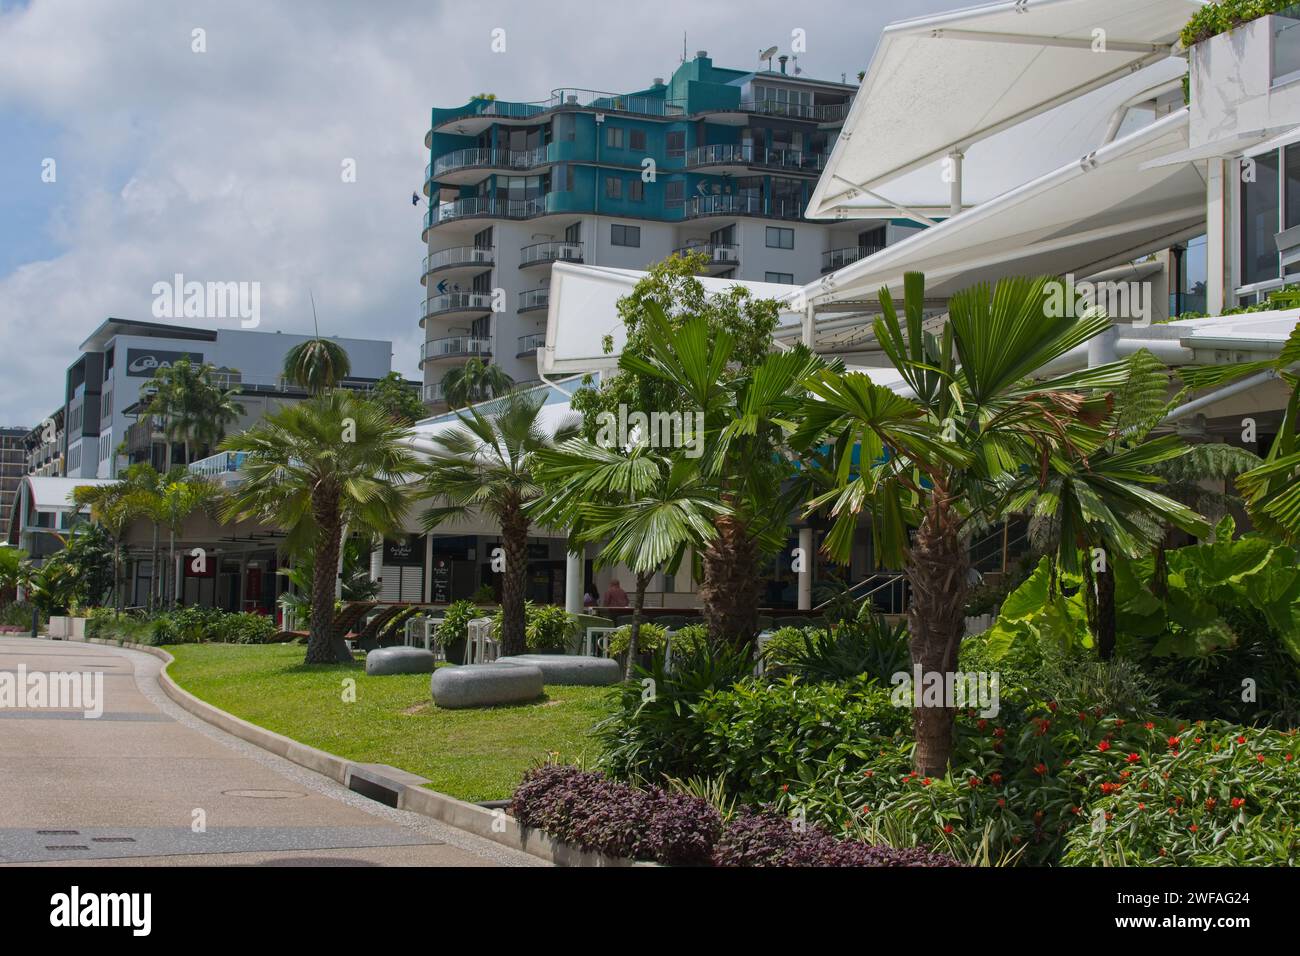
(124, 789)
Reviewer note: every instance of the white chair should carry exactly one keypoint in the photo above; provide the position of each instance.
(597, 636)
(481, 647)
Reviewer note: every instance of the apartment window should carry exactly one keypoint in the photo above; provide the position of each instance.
(562, 178)
(786, 278)
(483, 238)
(614, 137)
(573, 233)
(636, 190)
(613, 187)
(674, 193)
(780, 238)
(565, 129)
(620, 235)
(1259, 222)
(676, 142)
(872, 238)
(636, 140)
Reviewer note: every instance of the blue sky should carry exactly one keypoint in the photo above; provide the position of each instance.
(225, 165)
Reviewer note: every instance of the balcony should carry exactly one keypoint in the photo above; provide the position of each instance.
(833, 259)
(544, 253)
(482, 113)
(738, 157)
(721, 256)
(453, 167)
(473, 208)
(530, 343)
(223, 467)
(471, 259)
(455, 303)
(713, 207)
(533, 299)
(434, 394)
(454, 347)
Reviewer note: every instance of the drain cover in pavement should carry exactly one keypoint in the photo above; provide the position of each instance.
(264, 794)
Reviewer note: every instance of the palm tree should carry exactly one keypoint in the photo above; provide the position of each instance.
(742, 453)
(312, 468)
(936, 461)
(486, 463)
(475, 381)
(112, 509)
(643, 506)
(192, 406)
(181, 495)
(317, 365)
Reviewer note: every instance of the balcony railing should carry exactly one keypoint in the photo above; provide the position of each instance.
(434, 393)
(718, 253)
(740, 154)
(454, 346)
(833, 259)
(222, 463)
(542, 253)
(698, 207)
(821, 113)
(476, 207)
(530, 343)
(450, 302)
(571, 98)
(458, 256)
(487, 158)
(534, 299)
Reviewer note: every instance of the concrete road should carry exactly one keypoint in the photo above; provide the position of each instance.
(131, 786)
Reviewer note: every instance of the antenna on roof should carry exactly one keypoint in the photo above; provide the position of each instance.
(767, 55)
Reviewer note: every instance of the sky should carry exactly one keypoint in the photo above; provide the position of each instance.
(128, 155)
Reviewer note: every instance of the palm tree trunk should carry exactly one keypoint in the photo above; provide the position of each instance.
(1106, 613)
(323, 646)
(634, 640)
(729, 592)
(153, 571)
(937, 565)
(171, 567)
(514, 541)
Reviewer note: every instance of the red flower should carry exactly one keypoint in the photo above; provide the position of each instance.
(1210, 803)
(999, 732)
(1002, 801)
(981, 724)
(1172, 811)
(1150, 725)
(1133, 758)
(1051, 705)
(996, 778)
(925, 782)
(1119, 721)
(1193, 828)
(975, 782)
(1173, 742)
(947, 828)
(1104, 746)
(785, 788)
(868, 773)
(865, 808)
(1083, 715)
(1288, 757)
(1198, 740)
(1238, 802)
(1040, 768)
(1074, 810)
(1259, 758)
(1141, 805)
(1241, 740)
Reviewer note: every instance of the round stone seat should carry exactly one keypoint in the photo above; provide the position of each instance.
(399, 660)
(482, 685)
(571, 669)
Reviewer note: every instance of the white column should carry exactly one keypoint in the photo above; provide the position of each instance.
(805, 576)
(1216, 236)
(573, 581)
(954, 187)
(377, 561)
(806, 334)
(1101, 348)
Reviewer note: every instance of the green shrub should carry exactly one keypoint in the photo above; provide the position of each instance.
(867, 645)
(455, 621)
(649, 639)
(245, 628)
(19, 614)
(1215, 18)
(691, 639)
(547, 627)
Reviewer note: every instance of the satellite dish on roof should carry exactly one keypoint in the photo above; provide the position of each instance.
(768, 53)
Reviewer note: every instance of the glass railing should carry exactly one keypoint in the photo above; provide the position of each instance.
(1286, 43)
(833, 259)
(546, 252)
(614, 102)
(456, 302)
(531, 342)
(488, 158)
(454, 346)
(698, 206)
(225, 462)
(434, 392)
(742, 154)
(488, 206)
(534, 299)
(458, 256)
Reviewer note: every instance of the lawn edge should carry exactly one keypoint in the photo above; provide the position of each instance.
(493, 825)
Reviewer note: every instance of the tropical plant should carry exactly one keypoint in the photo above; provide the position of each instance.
(486, 463)
(313, 468)
(180, 496)
(934, 461)
(396, 396)
(475, 381)
(11, 568)
(867, 645)
(114, 507)
(192, 406)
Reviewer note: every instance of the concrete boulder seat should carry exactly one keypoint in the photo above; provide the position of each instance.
(399, 660)
(482, 685)
(572, 669)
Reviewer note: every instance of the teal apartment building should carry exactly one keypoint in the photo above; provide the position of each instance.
(721, 161)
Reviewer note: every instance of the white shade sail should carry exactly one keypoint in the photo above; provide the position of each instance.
(942, 83)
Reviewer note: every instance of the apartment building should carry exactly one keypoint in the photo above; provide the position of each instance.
(13, 465)
(715, 160)
(105, 428)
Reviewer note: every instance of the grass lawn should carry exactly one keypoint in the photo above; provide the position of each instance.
(471, 754)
